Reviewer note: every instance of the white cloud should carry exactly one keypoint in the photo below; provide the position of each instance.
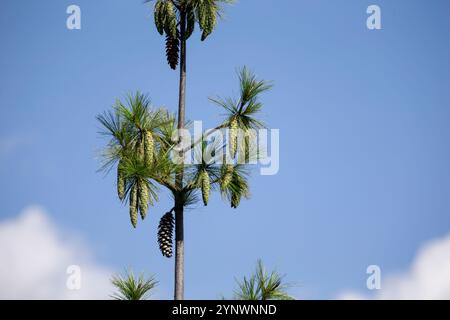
(427, 278)
(34, 257)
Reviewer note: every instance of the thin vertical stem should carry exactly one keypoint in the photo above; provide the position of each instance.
(179, 212)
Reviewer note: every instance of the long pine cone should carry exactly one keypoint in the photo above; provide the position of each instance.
(172, 51)
(134, 205)
(120, 181)
(165, 234)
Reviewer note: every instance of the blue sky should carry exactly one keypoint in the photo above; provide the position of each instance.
(364, 137)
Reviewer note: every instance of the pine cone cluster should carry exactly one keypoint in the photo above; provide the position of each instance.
(139, 196)
(165, 234)
(207, 19)
(166, 22)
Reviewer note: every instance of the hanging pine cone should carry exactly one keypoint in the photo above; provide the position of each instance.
(206, 186)
(210, 22)
(201, 16)
(235, 200)
(172, 51)
(143, 198)
(233, 137)
(190, 27)
(149, 146)
(120, 181)
(227, 176)
(247, 155)
(170, 23)
(133, 205)
(159, 16)
(165, 234)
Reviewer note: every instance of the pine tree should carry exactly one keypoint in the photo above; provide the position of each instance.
(142, 136)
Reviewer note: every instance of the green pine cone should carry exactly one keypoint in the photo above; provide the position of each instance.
(247, 147)
(233, 137)
(206, 186)
(159, 16)
(201, 16)
(190, 24)
(228, 176)
(149, 146)
(133, 205)
(235, 200)
(120, 181)
(170, 24)
(210, 21)
(143, 198)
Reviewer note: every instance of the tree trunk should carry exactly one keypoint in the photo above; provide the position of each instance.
(179, 254)
(179, 226)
